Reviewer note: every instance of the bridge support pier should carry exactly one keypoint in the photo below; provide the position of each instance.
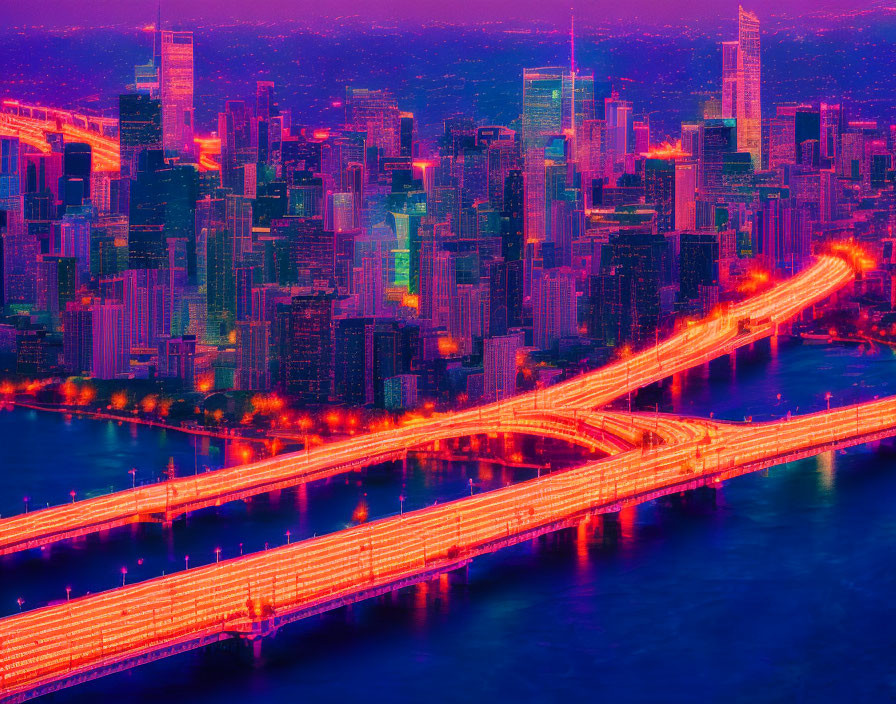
(460, 576)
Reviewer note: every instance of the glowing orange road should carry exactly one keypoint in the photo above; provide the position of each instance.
(105, 150)
(607, 432)
(251, 596)
(33, 131)
(699, 342)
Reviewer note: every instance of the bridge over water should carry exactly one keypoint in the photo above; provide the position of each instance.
(252, 596)
(562, 411)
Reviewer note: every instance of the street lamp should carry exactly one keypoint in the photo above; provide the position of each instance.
(401, 504)
(288, 533)
(217, 555)
(68, 593)
(827, 397)
(26, 499)
(133, 473)
(72, 494)
(124, 574)
(186, 562)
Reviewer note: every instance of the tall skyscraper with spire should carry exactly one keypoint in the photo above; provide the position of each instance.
(749, 106)
(556, 102)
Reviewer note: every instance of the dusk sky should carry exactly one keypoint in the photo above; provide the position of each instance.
(74, 12)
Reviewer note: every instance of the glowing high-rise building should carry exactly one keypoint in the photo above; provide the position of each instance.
(556, 101)
(749, 106)
(729, 79)
(177, 90)
(374, 112)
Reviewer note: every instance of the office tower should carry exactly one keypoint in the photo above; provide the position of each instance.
(264, 132)
(831, 127)
(308, 364)
(243, 276)
(146, 294)
(749, 106)
(20, 251)
(513, 217)
(698, 261)
(110, 349)
(542, 119)
(253, 344)
(685, 193)
(781, 238)
(500, 366)
(42, 173)
(10, 178)
(162, 205)
(238, 220)
(554, 311)
(77, 338)
(265, 107)
(718, 144)
(139, 128)
(641, 134)
(635, 299)
(400, 392)
(407, 134)
(353, 370)
(555, 98)
(465, 317)
(375, 113)
(782, 145)
(176, 91)
(503, 157)
(220, 284)
(618, 119)
(56, 283)
(236, 130)
(807, 128)
(729, 79)
(344, 212)
(76, 167)
(74, 238)
(311, 250)
(659, 191)
(591, 156)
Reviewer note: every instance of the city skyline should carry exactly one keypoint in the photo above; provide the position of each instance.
(440, 349)
(53, 13)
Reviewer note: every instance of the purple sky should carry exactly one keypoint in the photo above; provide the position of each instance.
(93, 12)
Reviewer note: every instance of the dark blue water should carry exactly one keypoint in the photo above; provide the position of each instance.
(778, 588)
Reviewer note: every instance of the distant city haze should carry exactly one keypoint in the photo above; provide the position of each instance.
(75, 13)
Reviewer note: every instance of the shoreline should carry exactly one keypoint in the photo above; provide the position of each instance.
(99, 415)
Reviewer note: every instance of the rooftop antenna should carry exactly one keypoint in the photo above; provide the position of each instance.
(572, 42)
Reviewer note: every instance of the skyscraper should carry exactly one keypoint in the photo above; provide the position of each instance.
(729, 79)
(374, 112)
(308, 366)
(140, 128)
(749, 106)
(110, 348)
(177, 90)
(500, 366)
